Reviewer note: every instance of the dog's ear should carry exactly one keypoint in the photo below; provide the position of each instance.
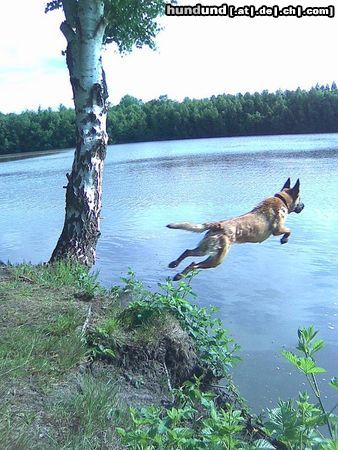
(295, 189)
(286, 184)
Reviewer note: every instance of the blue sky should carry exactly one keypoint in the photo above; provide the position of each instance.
(196, 57)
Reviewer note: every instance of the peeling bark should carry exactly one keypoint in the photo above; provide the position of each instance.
(84, 33)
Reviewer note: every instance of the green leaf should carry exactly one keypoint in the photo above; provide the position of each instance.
(109, 352)
(214, 414)
(316, 370)
(318, 345)
(306, 365)
(334, 383)
(120, 431)
(294, 359)
(330, 445)
(162, 428)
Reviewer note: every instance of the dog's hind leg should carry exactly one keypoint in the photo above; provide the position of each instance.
(198, 251)
(212, 261)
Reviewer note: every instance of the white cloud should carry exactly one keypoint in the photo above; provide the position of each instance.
(33, 71)
(197, 57)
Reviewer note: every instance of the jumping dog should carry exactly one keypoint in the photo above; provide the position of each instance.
(266, 219)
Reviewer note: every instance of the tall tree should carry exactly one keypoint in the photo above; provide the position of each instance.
(88, 26)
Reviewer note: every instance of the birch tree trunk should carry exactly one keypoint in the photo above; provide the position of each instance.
(84, 30)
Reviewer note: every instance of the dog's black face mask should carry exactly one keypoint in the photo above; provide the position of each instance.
(299, 208)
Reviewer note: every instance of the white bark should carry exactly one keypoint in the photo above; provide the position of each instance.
(84, 32)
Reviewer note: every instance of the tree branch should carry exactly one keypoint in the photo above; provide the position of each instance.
(67, 31)
(101, 27)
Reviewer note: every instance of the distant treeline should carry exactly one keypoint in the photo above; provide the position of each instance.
(282, 112)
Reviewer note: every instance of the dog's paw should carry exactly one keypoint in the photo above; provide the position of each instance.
(284, 240)
(173, 264)
(177, 277)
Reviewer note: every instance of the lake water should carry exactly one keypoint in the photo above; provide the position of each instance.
(264, 292)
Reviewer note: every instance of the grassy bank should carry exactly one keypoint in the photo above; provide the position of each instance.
(74, 358)
(47, 399)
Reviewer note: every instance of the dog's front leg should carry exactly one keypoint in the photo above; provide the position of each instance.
(286, 234)
(285, 238)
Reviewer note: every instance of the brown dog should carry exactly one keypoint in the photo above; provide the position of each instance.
(266, 219)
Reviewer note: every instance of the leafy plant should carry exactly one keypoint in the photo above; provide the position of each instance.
(192, 422)
(296, 425)
(216, 349)
(308, 345)
(102, 339)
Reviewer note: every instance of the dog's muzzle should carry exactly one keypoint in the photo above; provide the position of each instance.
(299, 208)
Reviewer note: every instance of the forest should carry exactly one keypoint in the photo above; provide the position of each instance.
(132, 120)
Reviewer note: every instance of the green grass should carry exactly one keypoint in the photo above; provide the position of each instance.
(61, 273)
(39, 330)
(85, 418)
(41, 346)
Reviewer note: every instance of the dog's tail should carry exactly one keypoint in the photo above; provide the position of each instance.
(195, 227)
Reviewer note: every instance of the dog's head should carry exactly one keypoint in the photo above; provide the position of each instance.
(291, 196)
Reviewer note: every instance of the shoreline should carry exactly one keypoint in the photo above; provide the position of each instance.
(31, 154)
